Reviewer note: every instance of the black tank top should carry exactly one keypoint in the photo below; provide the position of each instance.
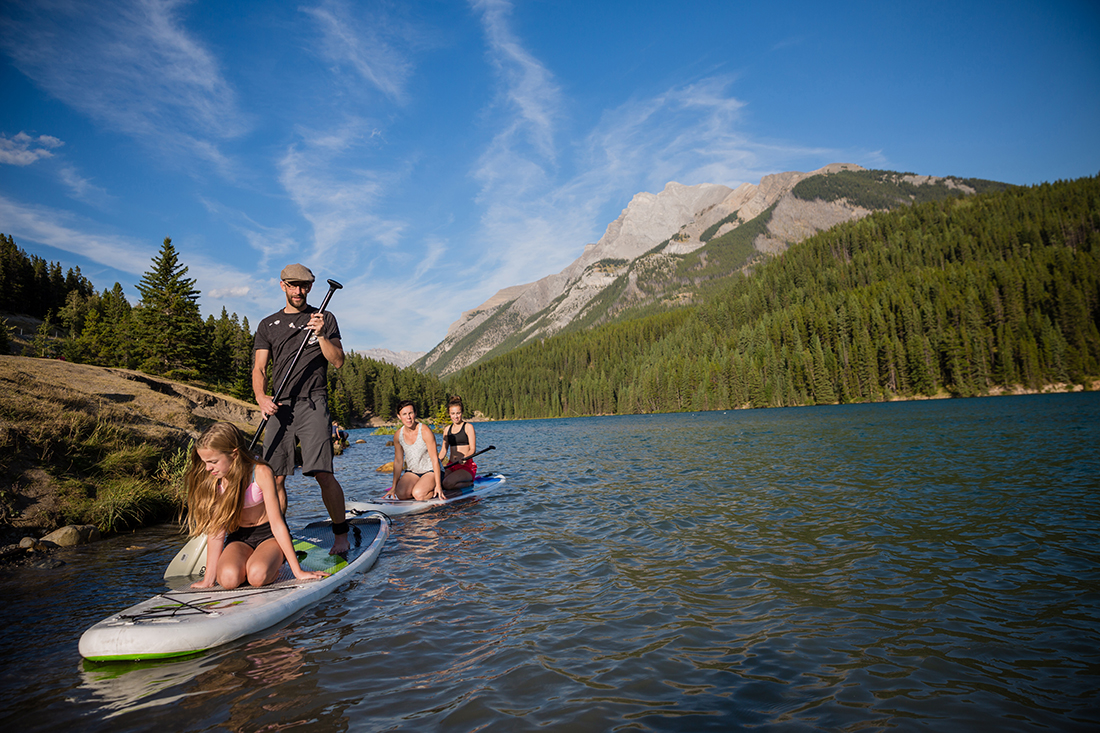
(458, 438)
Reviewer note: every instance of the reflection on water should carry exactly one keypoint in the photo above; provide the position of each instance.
(914, 566)
(254, 674)
(133, 686)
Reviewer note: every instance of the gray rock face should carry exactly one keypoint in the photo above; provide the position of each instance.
(398, 358)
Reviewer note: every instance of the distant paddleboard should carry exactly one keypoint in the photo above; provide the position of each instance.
(396, 507)
(187, 620)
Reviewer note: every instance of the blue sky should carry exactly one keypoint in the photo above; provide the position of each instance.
(427, 154)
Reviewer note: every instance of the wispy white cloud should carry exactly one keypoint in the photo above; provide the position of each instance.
(689, 134)
(274, 243)
(62, 231)
(789, 42)
(82, 189)
(131, 66)
(523, 228)
(528, 87)
(339, 199)
(22, 149)
(358, 40)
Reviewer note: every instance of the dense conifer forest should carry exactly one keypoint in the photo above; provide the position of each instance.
(959, 296)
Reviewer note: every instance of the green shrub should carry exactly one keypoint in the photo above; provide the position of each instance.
(127, 503)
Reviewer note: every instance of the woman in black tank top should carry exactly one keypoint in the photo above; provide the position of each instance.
(459, 440)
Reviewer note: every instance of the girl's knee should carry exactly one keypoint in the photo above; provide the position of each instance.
(259, 576)
(262, 571)
(229, 578)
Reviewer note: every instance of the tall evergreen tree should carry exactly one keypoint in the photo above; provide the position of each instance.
(168, 325)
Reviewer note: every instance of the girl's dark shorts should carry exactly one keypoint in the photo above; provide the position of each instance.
(251, 536)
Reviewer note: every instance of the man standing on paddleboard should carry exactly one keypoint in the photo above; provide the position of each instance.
(302, 409)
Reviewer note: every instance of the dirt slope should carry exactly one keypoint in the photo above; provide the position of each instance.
(167, 412)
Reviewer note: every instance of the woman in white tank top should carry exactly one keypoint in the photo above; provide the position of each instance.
(421, 478)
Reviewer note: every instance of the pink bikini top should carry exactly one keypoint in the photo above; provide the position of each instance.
(253, 495)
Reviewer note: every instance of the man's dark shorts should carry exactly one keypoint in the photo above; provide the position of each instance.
(304, 418)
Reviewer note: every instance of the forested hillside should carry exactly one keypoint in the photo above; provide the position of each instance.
(164, 334)
(959, 295)
(881, 190)
(368, 387)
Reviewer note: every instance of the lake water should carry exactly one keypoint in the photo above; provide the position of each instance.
(910, 566)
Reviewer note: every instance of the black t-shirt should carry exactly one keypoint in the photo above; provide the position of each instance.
(281, 334)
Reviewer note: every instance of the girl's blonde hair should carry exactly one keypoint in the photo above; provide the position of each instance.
(210, 510)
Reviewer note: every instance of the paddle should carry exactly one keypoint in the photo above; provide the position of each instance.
(475, 453)
(333, 287)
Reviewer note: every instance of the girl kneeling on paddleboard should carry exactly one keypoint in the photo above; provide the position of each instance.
(423, 479)
(231, 499)
(459, 437)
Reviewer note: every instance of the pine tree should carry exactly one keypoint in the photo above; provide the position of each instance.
(168, 325)
(114, 340)
(44, 346)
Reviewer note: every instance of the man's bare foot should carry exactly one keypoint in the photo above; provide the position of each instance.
(340, 546)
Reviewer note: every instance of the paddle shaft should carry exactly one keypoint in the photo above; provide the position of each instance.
(333, 286)
(475, 453)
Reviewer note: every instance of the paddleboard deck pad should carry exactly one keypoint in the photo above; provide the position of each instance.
(396, 507)
(185, 620)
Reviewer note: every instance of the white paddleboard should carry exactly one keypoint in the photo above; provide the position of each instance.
(187, 620)
(396, 507)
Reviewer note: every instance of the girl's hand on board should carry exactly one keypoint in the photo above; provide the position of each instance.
(310, 574)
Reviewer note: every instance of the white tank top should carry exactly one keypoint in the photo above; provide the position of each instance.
(417, 459)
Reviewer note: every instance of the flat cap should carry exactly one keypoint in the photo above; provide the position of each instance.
(296, 274)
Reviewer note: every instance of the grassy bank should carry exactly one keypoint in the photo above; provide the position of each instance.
(85, 445)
